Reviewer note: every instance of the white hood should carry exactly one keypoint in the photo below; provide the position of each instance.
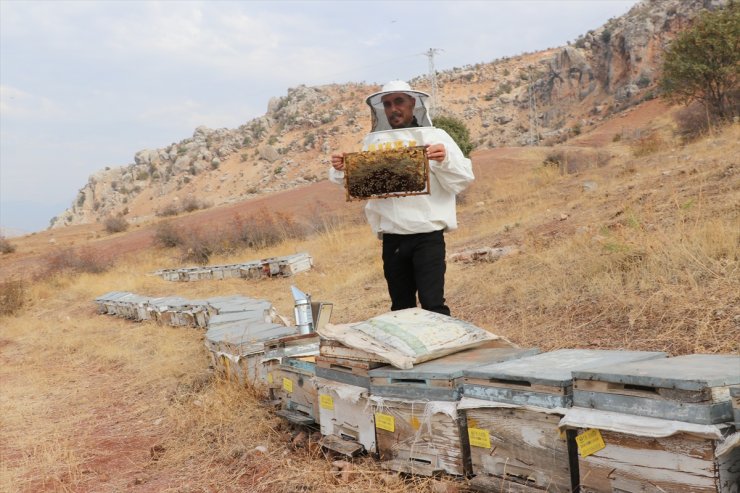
(380, 121)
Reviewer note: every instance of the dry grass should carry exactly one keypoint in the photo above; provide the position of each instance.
(649, 260)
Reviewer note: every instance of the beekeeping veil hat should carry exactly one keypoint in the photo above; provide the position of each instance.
(380, 121)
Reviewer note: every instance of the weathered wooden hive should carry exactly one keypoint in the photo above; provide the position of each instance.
(735, 396)
(110, 303)
(346, 417)
(343, 383)
(344, 364)
(292, 384)
(276, 266)
(105, 303)
(657, 425)
(226, 271)
(284, 266)
(293, 264)
(237, 348)
(418, 428)
(513, 410)
(237, 334)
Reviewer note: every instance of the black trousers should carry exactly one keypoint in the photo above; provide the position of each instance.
(415, 264)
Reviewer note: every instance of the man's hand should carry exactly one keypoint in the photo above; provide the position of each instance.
(337, 161)
(436, 152)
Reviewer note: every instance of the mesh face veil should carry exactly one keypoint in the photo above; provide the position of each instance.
(377, 111)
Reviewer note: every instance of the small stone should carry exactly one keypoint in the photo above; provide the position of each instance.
(300, 440)
(444, 487)
(590, 186)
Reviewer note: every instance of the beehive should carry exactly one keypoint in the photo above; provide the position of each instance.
(346, 418)
(513, 410)
(344, 370)
(294, 386)
(439, 379)
(656, 425)
(692, 388)
(418, 428)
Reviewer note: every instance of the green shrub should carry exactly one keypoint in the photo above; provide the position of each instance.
(457, 130)
(701, 64)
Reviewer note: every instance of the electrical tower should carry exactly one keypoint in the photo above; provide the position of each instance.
(432, 79)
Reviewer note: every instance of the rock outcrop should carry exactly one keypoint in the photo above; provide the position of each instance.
(528, 99)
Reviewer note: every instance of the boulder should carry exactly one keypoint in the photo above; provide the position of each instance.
(268, 153)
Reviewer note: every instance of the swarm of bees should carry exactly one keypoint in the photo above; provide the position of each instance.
(388, 173)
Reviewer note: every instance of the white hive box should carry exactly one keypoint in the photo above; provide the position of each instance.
(513, 410)
(657, 425)
(346, 417)
(418, 428)
(294, 386)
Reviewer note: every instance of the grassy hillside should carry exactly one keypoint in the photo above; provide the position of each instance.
(626, 238)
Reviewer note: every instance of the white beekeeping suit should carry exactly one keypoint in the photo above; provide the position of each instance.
(417, 213)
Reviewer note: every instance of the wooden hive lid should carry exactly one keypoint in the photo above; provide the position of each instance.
(693, 372)
(555, 368)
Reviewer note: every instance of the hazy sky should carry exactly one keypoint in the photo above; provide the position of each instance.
(87, 84)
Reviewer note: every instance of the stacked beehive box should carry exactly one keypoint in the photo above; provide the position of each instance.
(236, 338)
(417, 423)
(290, 364)
(640, 422)
(513, 410)
(655, 425)
(343, 383)
(284, 266)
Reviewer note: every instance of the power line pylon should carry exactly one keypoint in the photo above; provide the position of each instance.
(432, 79)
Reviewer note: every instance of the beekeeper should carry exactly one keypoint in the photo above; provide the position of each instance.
(412, 227)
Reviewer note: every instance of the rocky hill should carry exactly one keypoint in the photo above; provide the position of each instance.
(535, 98)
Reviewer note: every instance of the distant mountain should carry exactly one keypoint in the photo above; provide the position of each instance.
(539, 98)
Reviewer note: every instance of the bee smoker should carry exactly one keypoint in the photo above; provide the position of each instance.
(303, 315)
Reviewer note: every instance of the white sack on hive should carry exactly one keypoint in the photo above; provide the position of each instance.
(407, 337)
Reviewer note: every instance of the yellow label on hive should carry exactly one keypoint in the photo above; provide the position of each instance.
(398, 144)
(590, 442)
(269, 378)
(288, 384)
(385, 422)
(415, 423)
(479, 437)
(326, 402)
